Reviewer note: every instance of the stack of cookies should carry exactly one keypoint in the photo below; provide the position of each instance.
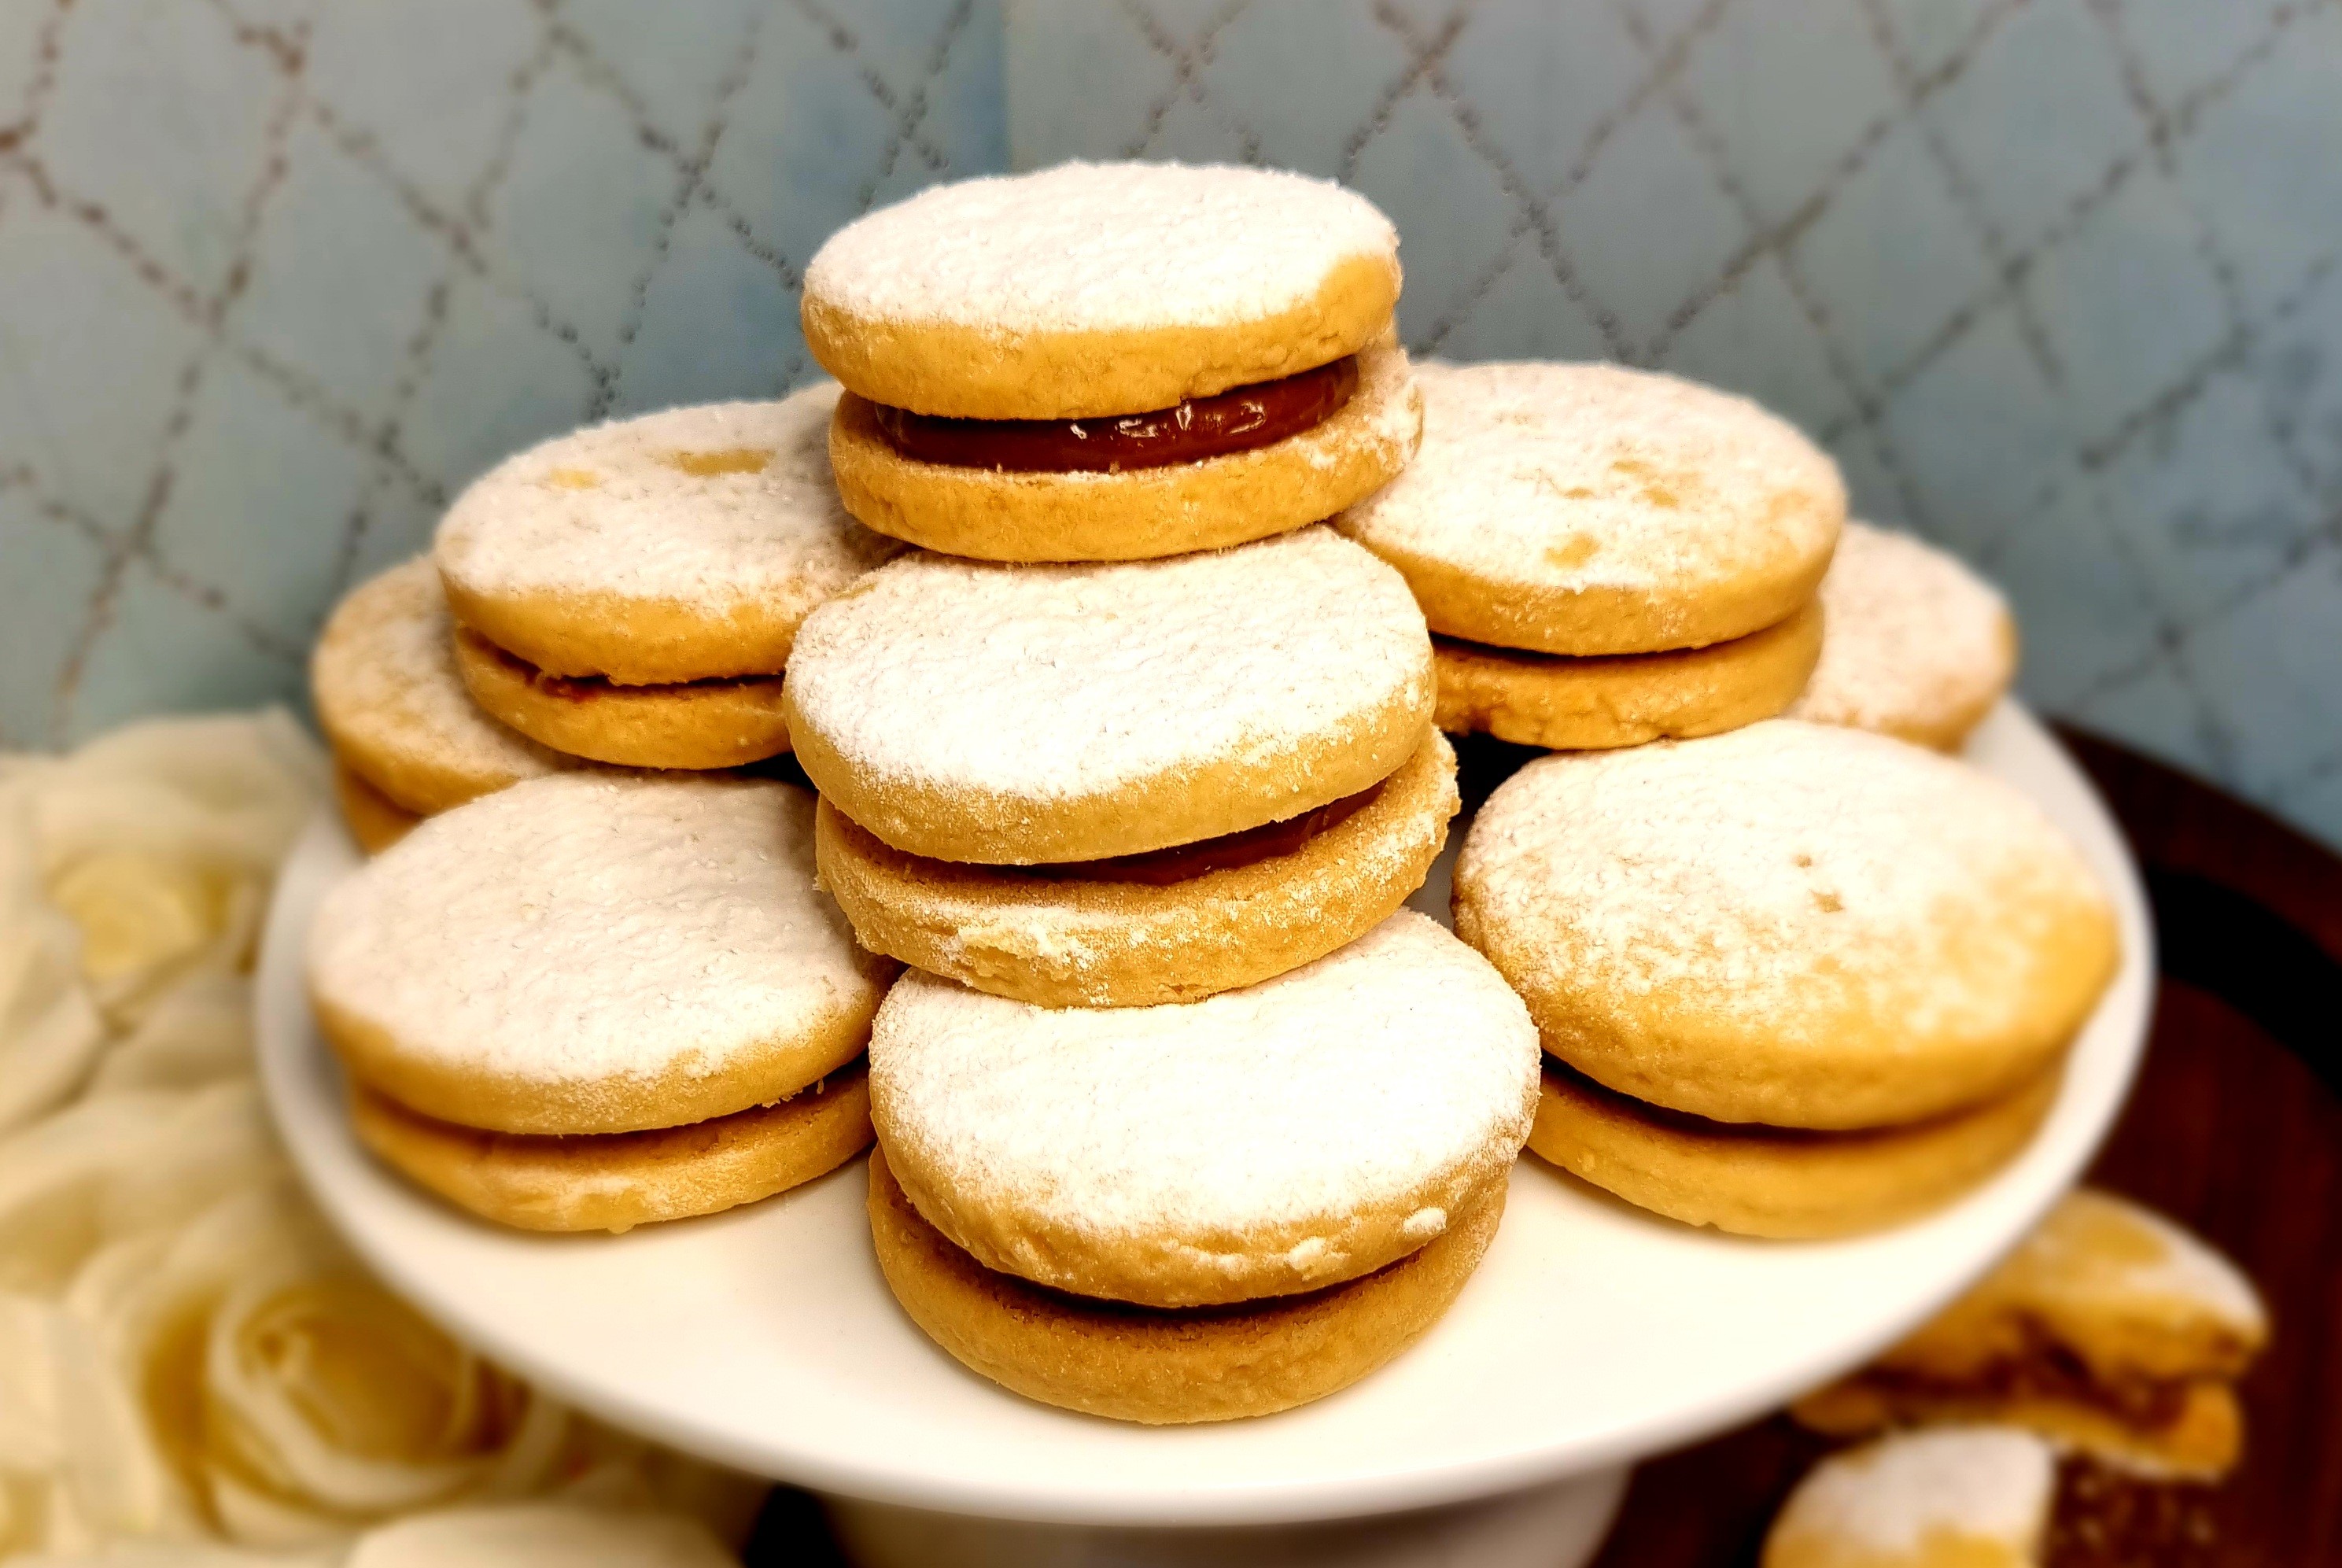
(1178, 1119)
(1609, 556)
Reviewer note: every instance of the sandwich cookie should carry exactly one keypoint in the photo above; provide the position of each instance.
(1587, 509)
(1299, 1145)
(1167, 926)
(629, 593)
(962, 711)
(1919, 647)
(1777, 1181)
(1112, 362)
(403, 728)
(2109, 1329)
(585, 955)
(1790, 925)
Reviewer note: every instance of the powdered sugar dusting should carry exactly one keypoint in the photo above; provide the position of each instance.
(1578, 477)
(384, 669)
(1984, 1482)
(1100, 248)
(1048, 683)
(709, 506)
(1352, 1082)
(1778, 871)
(2098, 1250)
(1912, 637)
(578, 929)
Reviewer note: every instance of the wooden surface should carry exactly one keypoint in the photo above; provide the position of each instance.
(2235, 1130)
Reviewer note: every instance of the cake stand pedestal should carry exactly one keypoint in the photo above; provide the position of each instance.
(1592, 1334)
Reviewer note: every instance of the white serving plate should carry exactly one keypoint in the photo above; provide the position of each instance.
(1593, 1335)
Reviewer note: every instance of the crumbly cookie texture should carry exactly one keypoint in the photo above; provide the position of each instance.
(588, 954)
(1592, 509)
(1954, 1497)
(1092, 247)
(681, 546)
(1747, 927)
(391, 702)
(1031, 714)
(1919, 647)
(1264, 1141)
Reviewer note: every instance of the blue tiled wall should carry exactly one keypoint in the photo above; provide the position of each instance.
(2057, 280)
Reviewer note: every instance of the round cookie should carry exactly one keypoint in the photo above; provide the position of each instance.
(1792, 924)
(375, 819)
(698, 725)
(1919, 647)
(683, 545)
(1594, 703)
(1757, 1181)
(1130, 1363)
(1134, 514)
(1263, 1141)
(1953, 1497)
(1097, 289)
(1029, 714)
(585, 953)
(616, 1181)
(393, 707)
(1176, 926)
(1590, 509)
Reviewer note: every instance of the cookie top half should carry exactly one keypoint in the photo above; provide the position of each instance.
(1790, 925)
(1099, 288)
(1266, 1141)
(682, 545)
(594, 954)
(1024, 715)
(1593, 509)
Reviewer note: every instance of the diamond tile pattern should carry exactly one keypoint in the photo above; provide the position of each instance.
(282, 276)
(2059, 280)
(2056, 279)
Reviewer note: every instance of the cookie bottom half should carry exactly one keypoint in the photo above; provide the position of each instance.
(1597, 703)
(698, 725)
(1158, 1367)
(615, 1181)
(1783, 1183)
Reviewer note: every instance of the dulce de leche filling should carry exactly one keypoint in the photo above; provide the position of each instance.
(1238, 420)
(1161, 867)
(2046, 1369)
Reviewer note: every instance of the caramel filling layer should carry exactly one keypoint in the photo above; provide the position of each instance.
(2048, 1370)
(586, 688)
(1162, 867)
(1238, 420)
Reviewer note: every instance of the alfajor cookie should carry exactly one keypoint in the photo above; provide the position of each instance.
(1112, 362)
(964, 711)
(1597, 703)
(1170, 925)
(1783, 1183)
(1791, 925)
(1919, 647)
(583, 953)
(1305, 1133)
(2109, 1329)
(632, 590)
(1960, 1497)
(1589, 509)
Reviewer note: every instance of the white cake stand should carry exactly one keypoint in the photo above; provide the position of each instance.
(1593, 1335)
